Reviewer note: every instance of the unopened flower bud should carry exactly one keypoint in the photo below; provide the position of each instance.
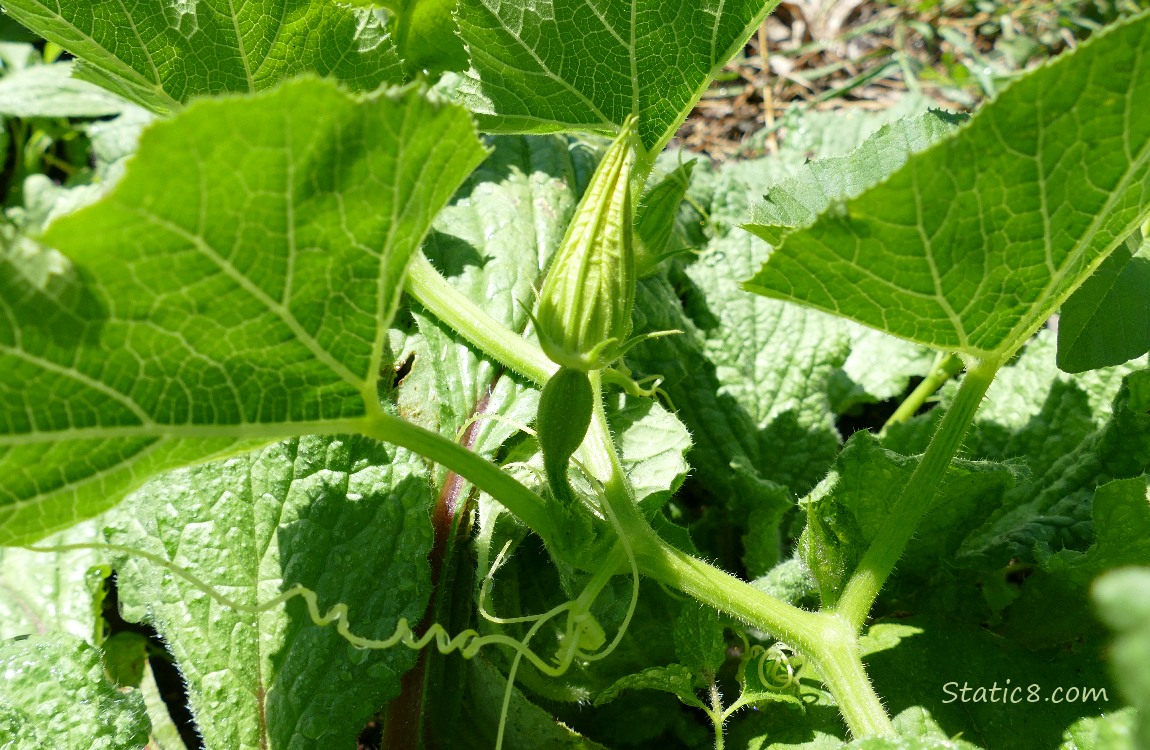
(584, 313)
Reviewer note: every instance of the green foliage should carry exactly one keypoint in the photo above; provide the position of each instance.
(163, 54)
(563, 64)
(176, 329)
(340, 516)
(987, 233)
(1107, 321)
(55, 694)
(1121, 599)
(213, 384)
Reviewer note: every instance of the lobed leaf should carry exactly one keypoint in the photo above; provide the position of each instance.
(976, 241)
(234, 288)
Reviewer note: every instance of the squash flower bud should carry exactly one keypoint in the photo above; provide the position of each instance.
(584, 313)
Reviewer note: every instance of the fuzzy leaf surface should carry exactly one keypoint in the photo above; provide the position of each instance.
(233, 289)
(346, 517)
(572, 65)
(163, 53)
(976, 241)
(53, 693)
(817, 186)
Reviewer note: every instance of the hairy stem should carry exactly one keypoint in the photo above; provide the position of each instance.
(716, 712)
(822, 638)
(880, 558)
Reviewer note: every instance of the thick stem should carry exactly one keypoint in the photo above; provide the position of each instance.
(880, 558)
(469, 320)
(806, 631)
(842, 671)
(822, 638)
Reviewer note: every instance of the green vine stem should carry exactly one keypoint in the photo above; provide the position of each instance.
(825, 639)
(485, 475)
(915, 499)
(943, 369)
(445, 302)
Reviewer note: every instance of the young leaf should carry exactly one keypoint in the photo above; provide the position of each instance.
(674, 678)
(346, 517)
(1107, 320)
(425, 35)
(571, 65)
(53, 693)
(236, 286)
(699, 641)
(162, 54)
(976, 241)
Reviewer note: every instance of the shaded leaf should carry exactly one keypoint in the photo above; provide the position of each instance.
(1107, 321)
(1123, 601)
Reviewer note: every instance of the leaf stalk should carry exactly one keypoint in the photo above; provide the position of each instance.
(915, 499)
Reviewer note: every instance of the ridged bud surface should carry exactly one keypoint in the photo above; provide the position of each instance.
(584, 312)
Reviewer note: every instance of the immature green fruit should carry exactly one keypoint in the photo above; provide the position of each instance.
(584, 313)
(562, 422)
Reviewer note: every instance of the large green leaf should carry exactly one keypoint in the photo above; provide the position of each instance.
(924, 663)
(346, 517)
(236, 286)
(976, 241)
(54, 693)
(547, 65)
(162, 53)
